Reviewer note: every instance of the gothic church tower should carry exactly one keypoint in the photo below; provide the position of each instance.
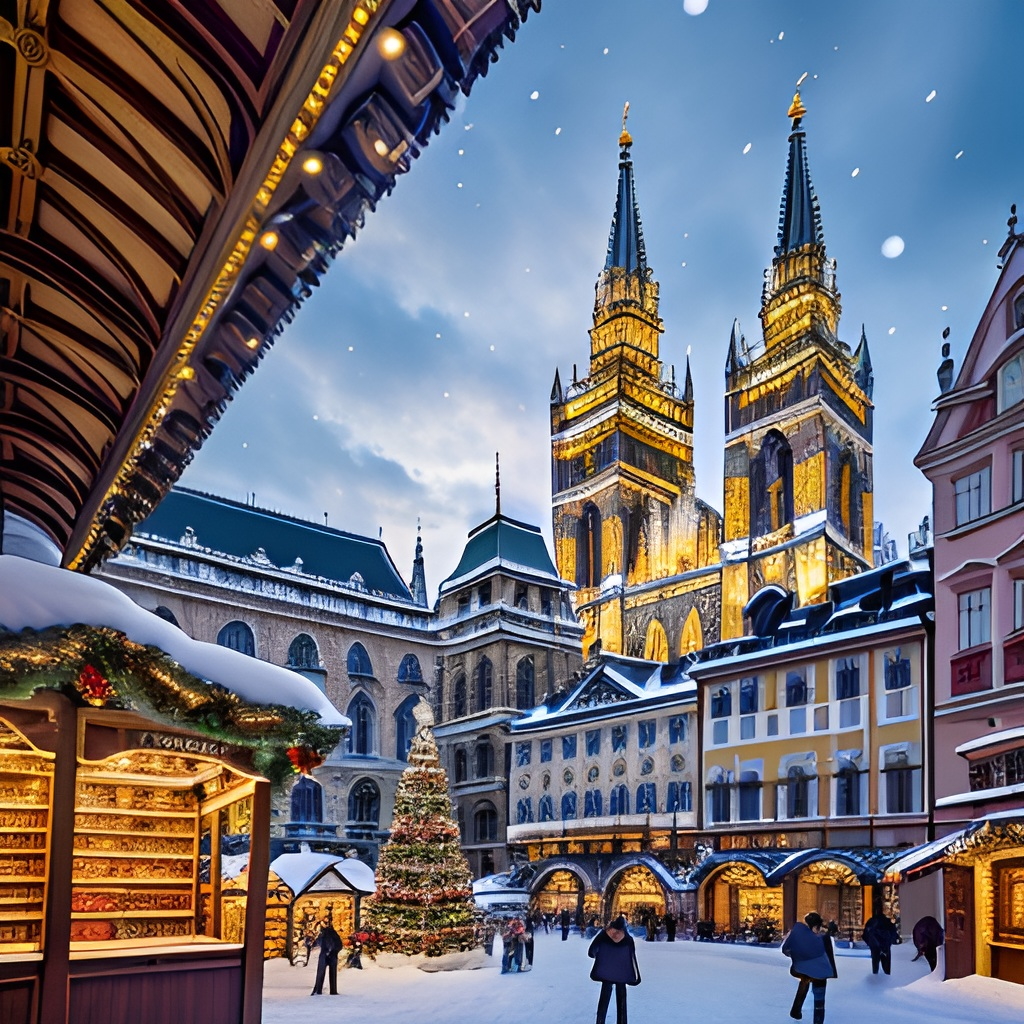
(624, 506)
(798, 422)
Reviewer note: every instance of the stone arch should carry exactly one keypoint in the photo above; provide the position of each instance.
(635, 892)
(656, 642)
(736, 897)
(692, 638)
(562, 887)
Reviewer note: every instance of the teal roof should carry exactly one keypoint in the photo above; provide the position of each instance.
(503, 543)
(230, 528)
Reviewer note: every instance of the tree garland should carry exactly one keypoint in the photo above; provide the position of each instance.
(102, 667)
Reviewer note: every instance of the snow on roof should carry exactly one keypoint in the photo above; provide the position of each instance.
(301, 870)
(37, 596)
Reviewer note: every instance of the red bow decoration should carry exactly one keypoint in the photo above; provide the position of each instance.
(304, 759)
(93, 687)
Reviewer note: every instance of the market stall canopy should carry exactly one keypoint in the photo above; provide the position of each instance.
(323, 872)
(35, 596)
(174, 178)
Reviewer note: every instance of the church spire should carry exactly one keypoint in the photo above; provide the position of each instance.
(863, 370)
(626, 238)
(799, 216)
(419, 577)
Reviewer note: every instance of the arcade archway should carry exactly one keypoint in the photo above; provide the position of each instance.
(834, 891)
(737, 899)
(635, 894)
(562, 890)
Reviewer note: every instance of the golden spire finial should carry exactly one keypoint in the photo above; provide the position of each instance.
(625, 139)
(796, 108)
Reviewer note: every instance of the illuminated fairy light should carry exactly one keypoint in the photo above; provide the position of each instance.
(269, 240)
(312, 165)
(391, 44)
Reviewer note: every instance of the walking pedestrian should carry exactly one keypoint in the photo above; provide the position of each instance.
(512, 943)
(880, 934)
(327, 963)
(928, 936)
(614, 955)
(814, 963)
(670, 928)
(565, 920)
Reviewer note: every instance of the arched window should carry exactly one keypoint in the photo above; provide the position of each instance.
(484, 684)
(588, 548)
(619, 802)
(524, 811)
(771, 486)
(847, 789)
(592, 804)
(1018, 312)
(568, 806)
(359, 661)
(846, 505)
(409, 671)
(461, 771)
(485, 823)
(237, 636)
(484, 759)
(546, 809)
(307, 800)
(524, 684)
(646, 798)
(361, 736)
(405, 726)
(364, 804)
(166, 614)
(656, 643)
(797, 792)
(303, 653)
(459, 696)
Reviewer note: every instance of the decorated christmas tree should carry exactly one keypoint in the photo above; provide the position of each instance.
(424, 897)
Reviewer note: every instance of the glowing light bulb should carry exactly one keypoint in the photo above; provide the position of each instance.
(269, 240)
(312, 165)
(391, 44)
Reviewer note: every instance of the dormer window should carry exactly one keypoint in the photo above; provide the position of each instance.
(1018, 312)
(1011, 380)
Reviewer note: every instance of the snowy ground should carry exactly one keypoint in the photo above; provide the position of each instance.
(695, 982)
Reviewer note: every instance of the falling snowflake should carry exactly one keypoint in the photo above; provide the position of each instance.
(892, 247)
(746, 149)
(245, 444)
(527, 270)
(459, 185)
(315, 416)
(930, 96)
(686, 234)
(984, 241)
(781, 34)
(446, 394)
(800, 81)
(469, 126)
(535, 95)
(351, 348)
(892, 330)
(492, 348)
(437, 335)
(695, 7)
(606, 51)
(558, 131)
(466, 313)
(855, 172)
(461, 152)
(684, 263)
(944, 308)
(960, 154)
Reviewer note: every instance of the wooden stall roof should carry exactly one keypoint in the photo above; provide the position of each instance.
(175, 175)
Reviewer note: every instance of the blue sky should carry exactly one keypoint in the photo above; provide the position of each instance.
(432, 342)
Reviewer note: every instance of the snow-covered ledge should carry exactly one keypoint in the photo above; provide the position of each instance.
(38, 596)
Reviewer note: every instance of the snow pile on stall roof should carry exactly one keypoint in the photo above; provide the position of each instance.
(37, 596)
(710, 983)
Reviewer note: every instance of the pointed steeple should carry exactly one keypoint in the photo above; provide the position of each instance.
(557, 395)
(688, 386)
(799, 216)
(863, 372)
(737, 350)
(419, 578)
(626, 238)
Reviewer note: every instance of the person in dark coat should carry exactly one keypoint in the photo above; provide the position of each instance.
(614, 955)
(513, 942)
(327, 964)
(528, 943)
(810, 949)
(670, 928)
(880, 934)
(565, 920)
(928, 936)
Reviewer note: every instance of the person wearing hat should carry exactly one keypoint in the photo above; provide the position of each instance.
(614, 956)
(814, 963)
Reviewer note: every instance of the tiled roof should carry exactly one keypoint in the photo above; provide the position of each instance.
(503, 543)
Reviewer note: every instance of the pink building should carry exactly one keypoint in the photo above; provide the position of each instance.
(974, 458)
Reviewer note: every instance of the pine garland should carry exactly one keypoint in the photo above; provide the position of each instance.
(424, 897)
(103, 667)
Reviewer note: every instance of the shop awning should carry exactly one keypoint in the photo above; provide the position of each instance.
(867, 863)
(323, 872)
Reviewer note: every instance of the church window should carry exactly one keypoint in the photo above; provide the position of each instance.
(588, 548)
(522, 596)
(363, 715)
(166, 614)
(546, 809)
(302, 652)
(459, 701)
(524, 748)
(771, 486)
(484, 678)
(405, 726)
(693, 634)
(545, 601)
(619, 802)
(1011, 382)
(619, 735)
(680, 797)
(677, 729)
(592, 804)
(656, 642)
(409, 670)
(524, 811)
(483, 594)
(485, 823)
(1018, 312)
(364, 804)
(593, 742)
(237, 636)
(973, 496)
(359, 662)
(646, 798)
(647, 733)
(545, 750)
(525, 697)
(461, 773)
(568, 806)
(307, 800)
(463, 604)
(568, 748)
